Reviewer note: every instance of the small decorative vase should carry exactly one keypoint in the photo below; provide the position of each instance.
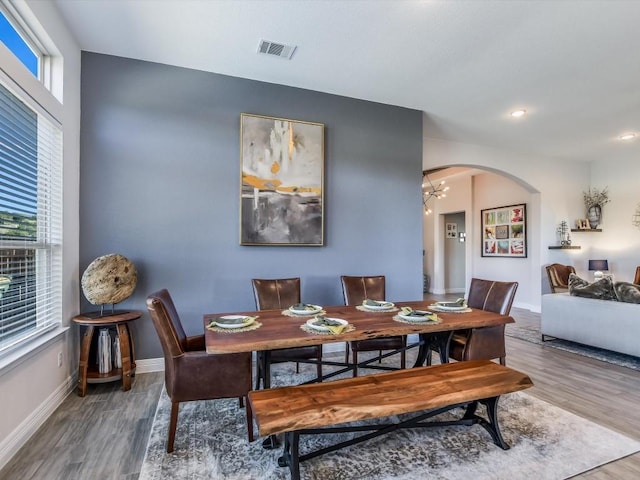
(594, 214)
(104, 351)
(116, 355)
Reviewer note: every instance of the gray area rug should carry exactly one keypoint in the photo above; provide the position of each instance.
(531, 333)
(546, 443)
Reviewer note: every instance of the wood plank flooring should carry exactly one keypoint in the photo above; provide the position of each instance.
(104, 435)
(100, 436)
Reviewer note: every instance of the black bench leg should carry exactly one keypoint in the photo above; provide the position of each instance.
(470, 412)
(291, 454)
(492, 426)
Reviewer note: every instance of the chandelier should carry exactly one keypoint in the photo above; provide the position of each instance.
(430, 191)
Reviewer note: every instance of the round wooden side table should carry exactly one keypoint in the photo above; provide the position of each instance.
(88, 370)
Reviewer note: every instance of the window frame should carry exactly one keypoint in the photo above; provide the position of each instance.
(31, 40)
(35, 94)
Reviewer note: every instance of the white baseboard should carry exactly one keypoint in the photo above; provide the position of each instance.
(445, 291)
(149, 365)
(455, 290)
(527, 306)
(16, 440)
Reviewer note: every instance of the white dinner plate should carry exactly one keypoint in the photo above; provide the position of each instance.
(233, 321)
(416, 318)
(312, 324)
(310, 310)
(380, 305)
(450, 308)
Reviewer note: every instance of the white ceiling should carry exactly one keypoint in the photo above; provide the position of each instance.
(572, 64)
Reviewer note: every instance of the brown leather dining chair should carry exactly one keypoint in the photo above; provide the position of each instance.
(355, 290)
(636, 279)
(190, 372)
(281, 293)
(484, 343)
(558, 275)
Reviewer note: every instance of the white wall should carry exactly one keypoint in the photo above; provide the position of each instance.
(34, 386)
(619, 241)
(555, 190)
(491, 191)
(555, 193)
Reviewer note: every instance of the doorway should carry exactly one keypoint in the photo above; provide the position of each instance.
(454, 252)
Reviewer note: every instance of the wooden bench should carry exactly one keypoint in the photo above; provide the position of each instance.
(315, 408)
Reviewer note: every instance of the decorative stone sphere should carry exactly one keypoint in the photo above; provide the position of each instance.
(109, 279)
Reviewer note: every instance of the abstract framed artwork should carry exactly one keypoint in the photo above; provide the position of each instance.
(282, 181)
(504, 231)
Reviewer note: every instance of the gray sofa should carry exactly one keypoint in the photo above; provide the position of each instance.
(600, 323)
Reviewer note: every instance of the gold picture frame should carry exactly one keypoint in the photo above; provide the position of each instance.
(281, 181)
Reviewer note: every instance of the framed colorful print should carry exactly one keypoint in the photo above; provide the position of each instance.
(504, 231)
(282, 181)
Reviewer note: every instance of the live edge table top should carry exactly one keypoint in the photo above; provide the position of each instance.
(281, 331)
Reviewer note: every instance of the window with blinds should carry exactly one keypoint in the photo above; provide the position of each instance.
(30, 220)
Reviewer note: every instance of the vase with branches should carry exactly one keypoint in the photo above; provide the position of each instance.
(594, 200)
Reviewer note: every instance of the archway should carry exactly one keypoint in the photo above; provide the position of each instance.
(473, 188)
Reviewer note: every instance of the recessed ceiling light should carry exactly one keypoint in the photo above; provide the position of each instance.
(518, 113)
(627, 136)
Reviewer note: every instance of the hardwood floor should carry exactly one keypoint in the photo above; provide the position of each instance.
(104, 435)
(100, 436)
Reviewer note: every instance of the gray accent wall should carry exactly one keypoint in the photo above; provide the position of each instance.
(160, 179)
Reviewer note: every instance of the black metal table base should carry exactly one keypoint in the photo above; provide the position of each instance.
(427, 342)
(291, 452)
(270, 443)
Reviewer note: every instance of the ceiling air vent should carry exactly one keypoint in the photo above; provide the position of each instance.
(276, 49)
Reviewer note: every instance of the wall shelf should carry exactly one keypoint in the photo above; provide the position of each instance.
(565, 247)
(586, 229)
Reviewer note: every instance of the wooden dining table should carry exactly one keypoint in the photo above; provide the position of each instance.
(282, 331)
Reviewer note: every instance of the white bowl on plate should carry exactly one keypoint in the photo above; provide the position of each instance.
(448, 308)
(382, 305)
(313, 311)
(323, 328)
(234, 321)
(415, 318)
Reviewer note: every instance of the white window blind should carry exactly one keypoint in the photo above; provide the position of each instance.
(30, 220)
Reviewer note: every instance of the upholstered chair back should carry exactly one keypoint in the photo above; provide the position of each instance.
(491, 295)
(558, 275)
(357, 289)
(276, 293)
(167, 323)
